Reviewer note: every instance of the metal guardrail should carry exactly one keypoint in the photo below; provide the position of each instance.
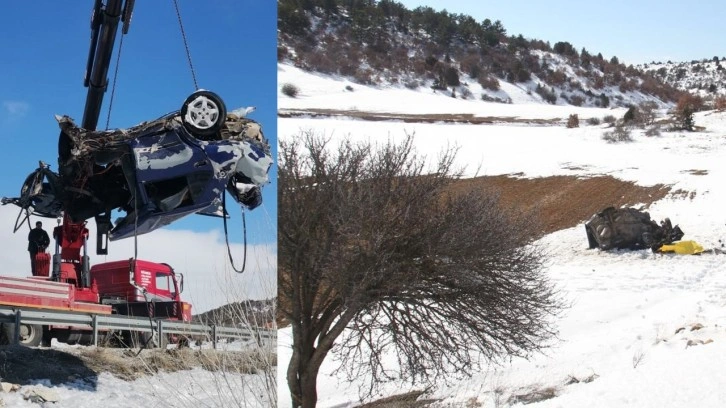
(96, 323)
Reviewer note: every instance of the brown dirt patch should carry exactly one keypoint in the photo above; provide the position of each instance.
(414, 118)
(565, 201)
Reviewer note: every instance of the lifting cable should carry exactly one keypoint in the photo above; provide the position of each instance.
(226, 235)
(149, 303)
(186, 45)
(115, 77)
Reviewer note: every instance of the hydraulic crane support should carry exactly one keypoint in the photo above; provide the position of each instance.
(104, 26)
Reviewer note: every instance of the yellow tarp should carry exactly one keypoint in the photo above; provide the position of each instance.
(682, 247)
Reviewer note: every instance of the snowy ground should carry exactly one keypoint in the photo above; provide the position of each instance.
(632, 336)
(194, 388)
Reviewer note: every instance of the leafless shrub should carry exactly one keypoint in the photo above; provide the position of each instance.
(465, 93)
(573, 121)
(593, 121)
(282, 52)
(364, 77)
(609, 119)
(653, 131)
(530, 396)
(648, 111)
(412, 84)
(371, 241)
(290, 90)
(619, 134)
(577, 100)
(322, 62)
(485, 97)
(720, 103)
(489, 82)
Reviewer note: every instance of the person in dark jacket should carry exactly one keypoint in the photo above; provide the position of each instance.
(38, 240)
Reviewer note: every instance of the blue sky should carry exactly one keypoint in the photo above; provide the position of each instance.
(635, 31)
(44, 46)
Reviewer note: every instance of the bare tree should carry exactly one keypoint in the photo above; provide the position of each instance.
(372, 241)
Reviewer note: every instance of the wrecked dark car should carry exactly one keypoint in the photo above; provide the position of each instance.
(155, 172)
(629, 228)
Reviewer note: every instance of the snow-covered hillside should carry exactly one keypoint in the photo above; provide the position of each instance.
(643, 329)
(706, 78)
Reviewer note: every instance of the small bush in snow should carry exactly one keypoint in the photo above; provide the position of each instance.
(609, 119)
(290, 90)
(593, 121)
(573, 121)
(364, 76)
(653, 131)
(619, 134)
(546, 94)
(466, 93)
(412, 84)
(720, 103)
(489, 82)
(648, 112)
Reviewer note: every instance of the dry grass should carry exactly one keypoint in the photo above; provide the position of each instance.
(22, 365)
(130, 365)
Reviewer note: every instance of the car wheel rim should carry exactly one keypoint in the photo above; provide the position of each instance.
(202, 113)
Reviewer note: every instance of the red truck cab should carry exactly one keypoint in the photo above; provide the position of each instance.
(128, 286)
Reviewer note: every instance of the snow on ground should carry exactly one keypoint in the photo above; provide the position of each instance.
(628, 337)
(193, 388)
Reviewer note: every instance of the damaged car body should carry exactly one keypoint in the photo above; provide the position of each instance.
(629, 228)
(155, 172)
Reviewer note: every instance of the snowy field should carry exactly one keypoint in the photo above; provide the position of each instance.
(193, 388)
(644, 329)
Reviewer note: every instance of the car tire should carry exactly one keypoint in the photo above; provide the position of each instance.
(203, 114)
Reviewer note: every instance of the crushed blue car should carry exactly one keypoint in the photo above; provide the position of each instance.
(155, 172)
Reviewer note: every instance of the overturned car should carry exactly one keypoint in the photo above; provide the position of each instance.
(155, 172)
(629, 228)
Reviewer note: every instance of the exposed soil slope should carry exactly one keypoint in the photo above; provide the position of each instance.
(565, 201)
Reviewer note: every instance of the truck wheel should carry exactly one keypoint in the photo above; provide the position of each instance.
(203, 114)
(30, 334)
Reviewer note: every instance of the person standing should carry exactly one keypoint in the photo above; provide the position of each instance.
(38, 240)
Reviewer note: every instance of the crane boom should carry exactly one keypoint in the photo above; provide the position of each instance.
(104, 25)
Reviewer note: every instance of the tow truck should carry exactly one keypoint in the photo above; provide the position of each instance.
(157, 172)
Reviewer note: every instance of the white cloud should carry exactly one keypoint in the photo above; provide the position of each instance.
(209, 280)
(15, 109)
